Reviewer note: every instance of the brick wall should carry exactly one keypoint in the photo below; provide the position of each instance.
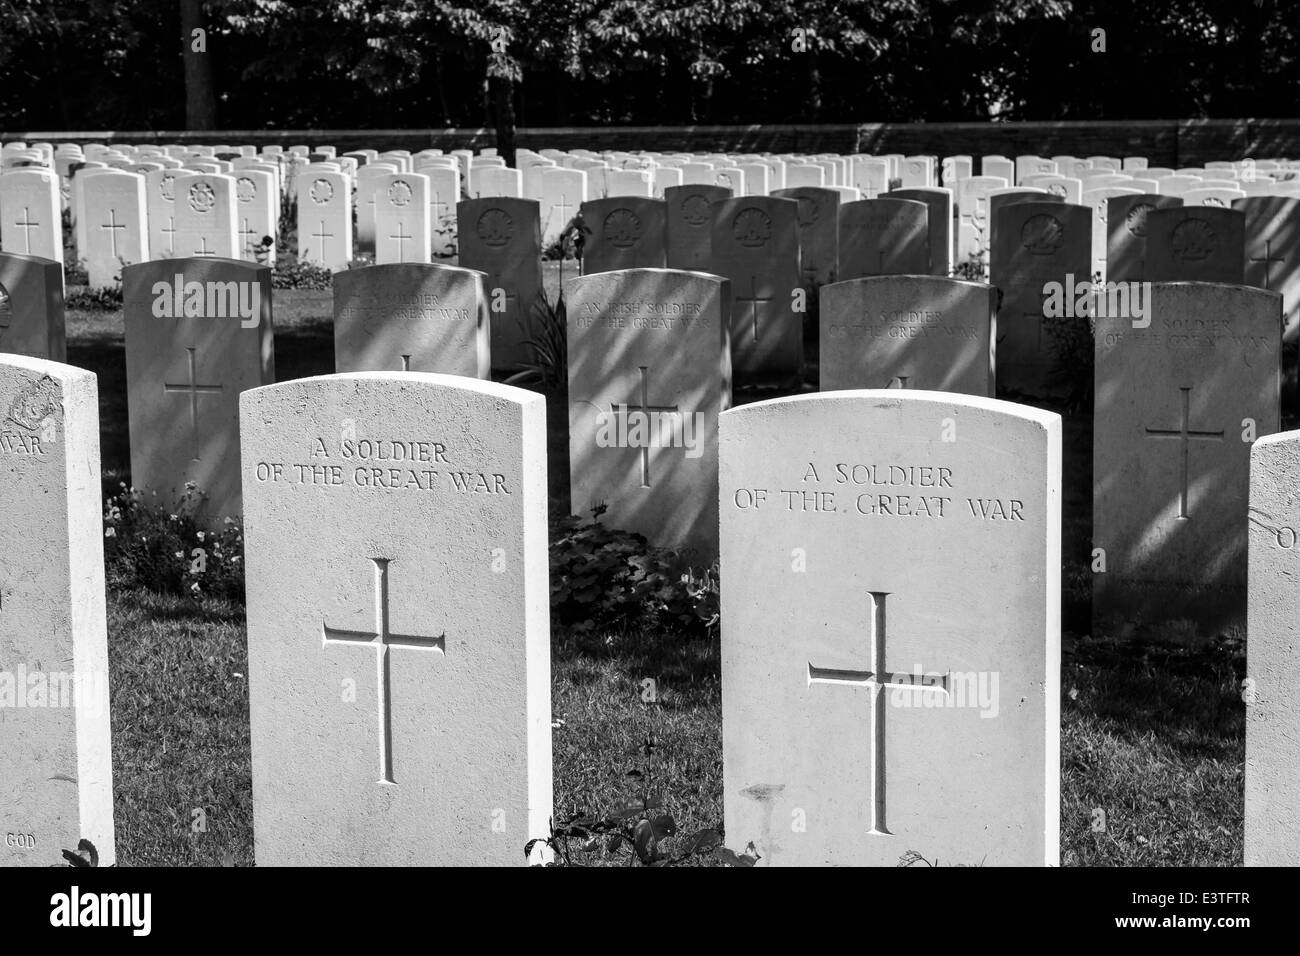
(1165, 142)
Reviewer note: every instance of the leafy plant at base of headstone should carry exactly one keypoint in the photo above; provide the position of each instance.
(639, 827)
(972, 269)
(604, 579)
(262, 250)
(548, 369)
(1072, 351)
(289, 273)
(85, 855)
(106, 299)
(912, 858)
(444, 233)
(147, 546)
(570, 242)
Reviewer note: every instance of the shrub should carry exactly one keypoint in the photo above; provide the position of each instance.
(292, 274)
(570, 243)
(641, 826)
(108, 299)
(606, 579)
(547, 368)
(150, 547)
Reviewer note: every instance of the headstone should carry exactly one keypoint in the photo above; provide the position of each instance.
(688, 224)
(367, 181)
(1176, 185)
(912, 331)
(999, 167)
(1177, 406)
(818, 232)
(649, 373)
(879, 698)
(917, 172)
(30, 219)
(116, 226)
(666, 177)
(869, 174)
(1272, 231)
(257, 214)
(755, 244)
(502, 238)
(498, 181)
(1196, 244)
(76, 195)
(624, 232)
(411, 317)
(1098, 201)
(973, 224)
(205, 216)
(938, 201)
(955, 168)
(198, 332)
(885, 236)
(425, 599)
(444, 194)
(1212, 196)
(160, 209)
(57, 785)
(402, 229)
(629, 182)
(325, 219)
(1005, 197)
(531, 168)
(697, 174)
(1033, 165)
(804, 176)
(1272, 666)
(1126, 234)
(31, 307)
(1040, 247)
(1100, 179)
(563, 193)
(1069, 189)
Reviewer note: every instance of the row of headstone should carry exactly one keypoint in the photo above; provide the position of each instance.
(650, 366)
(419, 724)
(410, 199)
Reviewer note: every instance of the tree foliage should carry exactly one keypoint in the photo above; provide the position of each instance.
(429, 63)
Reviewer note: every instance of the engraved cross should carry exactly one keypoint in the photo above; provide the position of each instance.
(382, 639)
(1185, 435)
(876, 680)
(194, 390)
(754, 299)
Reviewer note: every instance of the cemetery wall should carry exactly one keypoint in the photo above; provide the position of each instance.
(1172, 143)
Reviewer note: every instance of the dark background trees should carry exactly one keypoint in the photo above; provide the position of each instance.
(98, 64)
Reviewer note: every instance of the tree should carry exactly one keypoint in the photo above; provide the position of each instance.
(200, 98)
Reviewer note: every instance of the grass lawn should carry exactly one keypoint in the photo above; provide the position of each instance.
(1152, 733)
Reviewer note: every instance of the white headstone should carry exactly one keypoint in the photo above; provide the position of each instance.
(30, 219)
(205, 216)
(415, 638)
(402, 231)
(57, 785)
(880, 696)
(116, 226)
(325, 218)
